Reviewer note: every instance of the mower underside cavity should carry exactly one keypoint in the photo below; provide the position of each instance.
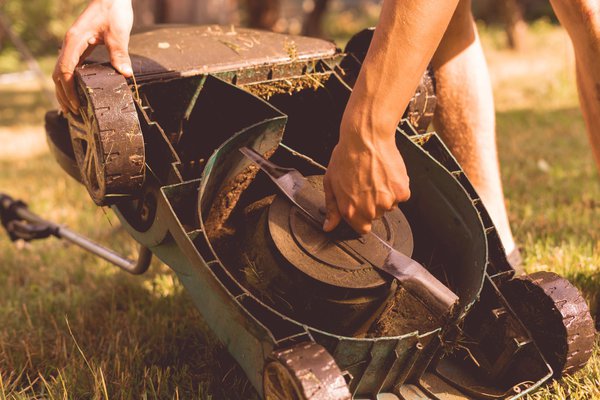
(306, 317)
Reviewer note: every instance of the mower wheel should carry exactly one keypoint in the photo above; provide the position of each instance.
(304, 372)
(106, 135)
(557, 316)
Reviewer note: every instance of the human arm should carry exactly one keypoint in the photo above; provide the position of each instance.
(103, 21)
(366, 175)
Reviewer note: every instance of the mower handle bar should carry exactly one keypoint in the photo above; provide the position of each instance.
(21, 223)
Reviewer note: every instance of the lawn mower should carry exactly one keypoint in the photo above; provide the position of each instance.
(213, 157)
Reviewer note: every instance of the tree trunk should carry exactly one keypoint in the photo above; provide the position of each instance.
(263, 14)
(313, 20)
(516, 28)
(149, 12)
(145, 12)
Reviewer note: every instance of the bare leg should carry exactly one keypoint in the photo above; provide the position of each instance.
(581, 19)
(465, 116)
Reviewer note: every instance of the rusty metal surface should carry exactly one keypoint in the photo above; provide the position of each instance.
(557, 316)
(106, 135)
(196, 50)
(304, 372)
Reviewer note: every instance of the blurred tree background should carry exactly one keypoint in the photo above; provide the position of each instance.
(490, 10)
(42, 23)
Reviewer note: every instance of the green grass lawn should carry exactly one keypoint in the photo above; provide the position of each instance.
(75, 327)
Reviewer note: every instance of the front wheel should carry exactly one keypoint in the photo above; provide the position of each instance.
(304, 372)
(557, 316)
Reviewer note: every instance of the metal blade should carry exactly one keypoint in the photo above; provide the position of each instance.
(415, 278)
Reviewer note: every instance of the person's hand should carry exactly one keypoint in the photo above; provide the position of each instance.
(103, 21)
(366, 177)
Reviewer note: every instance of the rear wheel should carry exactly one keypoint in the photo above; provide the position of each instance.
(304, 372)
(557, 316)
(106, 135)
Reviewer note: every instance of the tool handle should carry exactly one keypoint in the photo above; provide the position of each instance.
(21, 223)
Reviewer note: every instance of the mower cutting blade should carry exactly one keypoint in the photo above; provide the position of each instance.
(415, 278)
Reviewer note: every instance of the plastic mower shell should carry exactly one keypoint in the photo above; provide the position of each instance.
(304, 315)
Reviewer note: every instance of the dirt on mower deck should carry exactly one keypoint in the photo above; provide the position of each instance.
(403, 314)
(225, 202)
(227, 199)
(239, 235)
(242, 248)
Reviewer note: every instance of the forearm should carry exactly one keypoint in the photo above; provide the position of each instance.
(407, 35)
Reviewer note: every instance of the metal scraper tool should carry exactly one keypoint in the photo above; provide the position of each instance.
(413, 277)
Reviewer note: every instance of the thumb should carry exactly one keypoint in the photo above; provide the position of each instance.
(333, 217)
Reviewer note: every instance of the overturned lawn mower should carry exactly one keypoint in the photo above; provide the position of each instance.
(307, 315)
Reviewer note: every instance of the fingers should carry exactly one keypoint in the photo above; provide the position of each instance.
(360, 216)
(74, 46)
(386, 204)
(402, 193)
(61, 96)
(360, 225)
(108, 22)
(359, 219)
(117, 43)
(333, 217)
(119, 58)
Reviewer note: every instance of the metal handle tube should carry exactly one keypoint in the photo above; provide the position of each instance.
(136, 268)
(133, 267)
